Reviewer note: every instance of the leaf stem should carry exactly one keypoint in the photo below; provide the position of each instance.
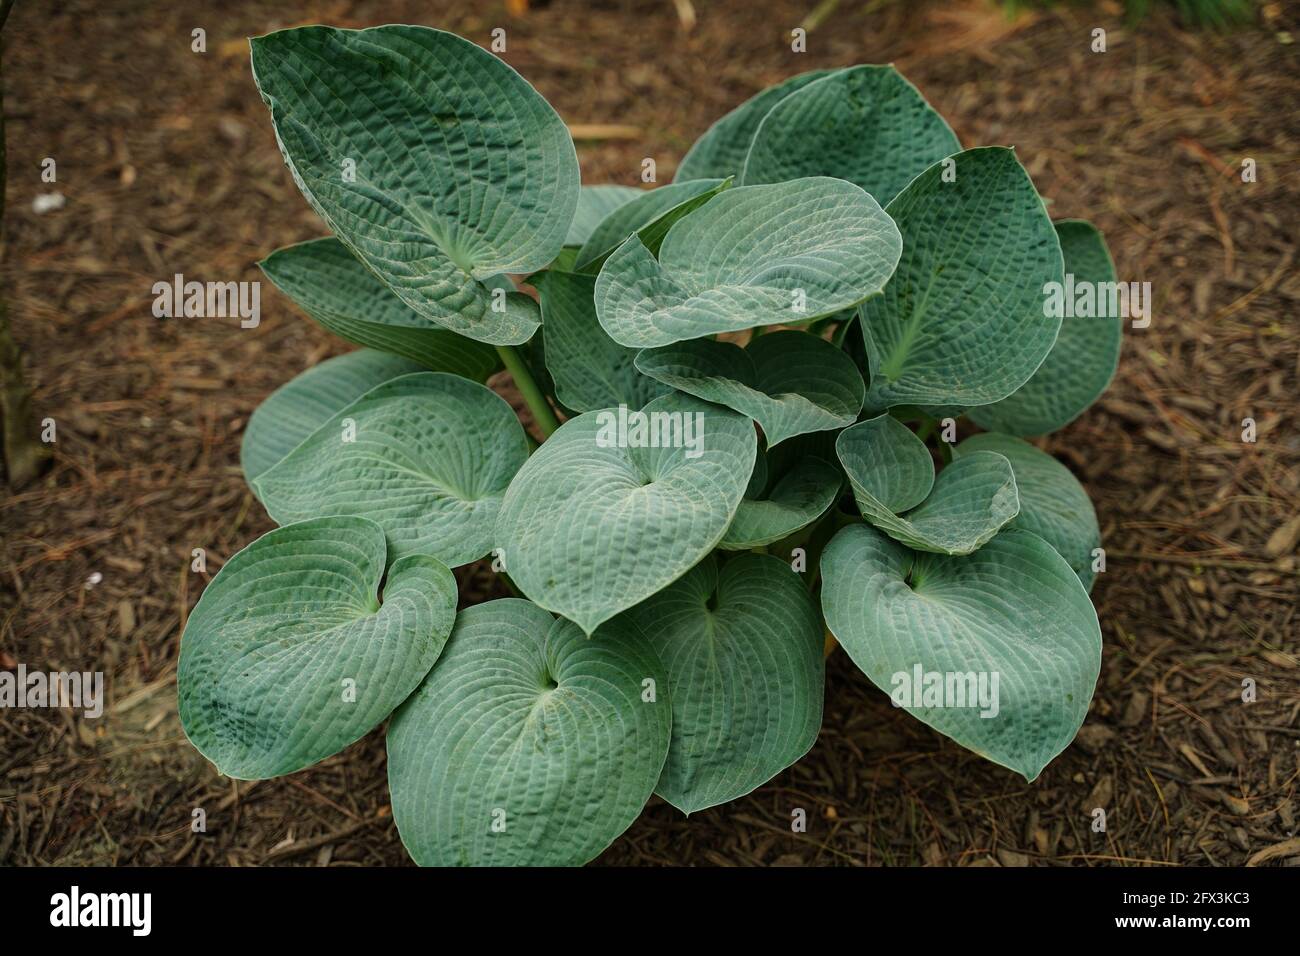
(841, 333)
(543, 414)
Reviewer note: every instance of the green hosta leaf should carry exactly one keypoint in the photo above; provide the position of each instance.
(1082, 362)
(890, 465)
(850, 340)
(301, 405)
(341, 295)
(789, 382)
(595, 203)
(815, 444)
(755, 255)
(432, 160)
(1053, 505)
(891, 472)
(289, 656)
(565, 261)
(650, 216)
(429, 461)
(591, 526)
(529, 744)
(866, 124)
(1013, 609)
(721, 151)
(776, 506)
(590, 369)
(743, 651)
(961, 321)
(759, 478)
(937, 412)
(971, 500)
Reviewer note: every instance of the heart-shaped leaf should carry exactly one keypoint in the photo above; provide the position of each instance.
(589, 368)
(1053, 505)
(743, 652)
(426, 456)
(1085, 356)
(289, 656)
(619, 504)
(595, 203)
(781, 500)
(936, 632)
(892, 473)
(721, 151)
(866, 124)
(304, 403)
(529, 744)
(431, 159)
(341, 295)
(789, 382)
(962, 320)
(754, 255)
(972, 499)
(650, 215)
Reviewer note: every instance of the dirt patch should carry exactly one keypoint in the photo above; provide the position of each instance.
(168, 164)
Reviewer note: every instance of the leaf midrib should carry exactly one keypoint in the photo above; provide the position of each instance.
(893, 368)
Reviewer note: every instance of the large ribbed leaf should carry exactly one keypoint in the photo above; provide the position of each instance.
(339, 293)
(721, 151)
(962, 320)
(650, 215)
(304, 403)
(866, 124)
(596, 522)
(754, 255)
(529, 744)
(590, 370)
(789, 382)
(1084, 358)
(289, 656)
(429, 460)
(781, 499)
(893, 482)
(1053, 505)
(432, 160)
(1014, 609)
(743, 651)
(595, 203)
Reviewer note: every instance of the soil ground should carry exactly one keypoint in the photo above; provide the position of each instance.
(168, 164)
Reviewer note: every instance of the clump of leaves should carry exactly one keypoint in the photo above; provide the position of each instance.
(668, 638)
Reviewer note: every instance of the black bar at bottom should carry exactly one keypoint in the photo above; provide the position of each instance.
(335, 905)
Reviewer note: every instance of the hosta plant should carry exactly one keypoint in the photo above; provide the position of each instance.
(748, 387)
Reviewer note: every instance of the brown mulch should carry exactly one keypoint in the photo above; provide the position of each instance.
(168, 164)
